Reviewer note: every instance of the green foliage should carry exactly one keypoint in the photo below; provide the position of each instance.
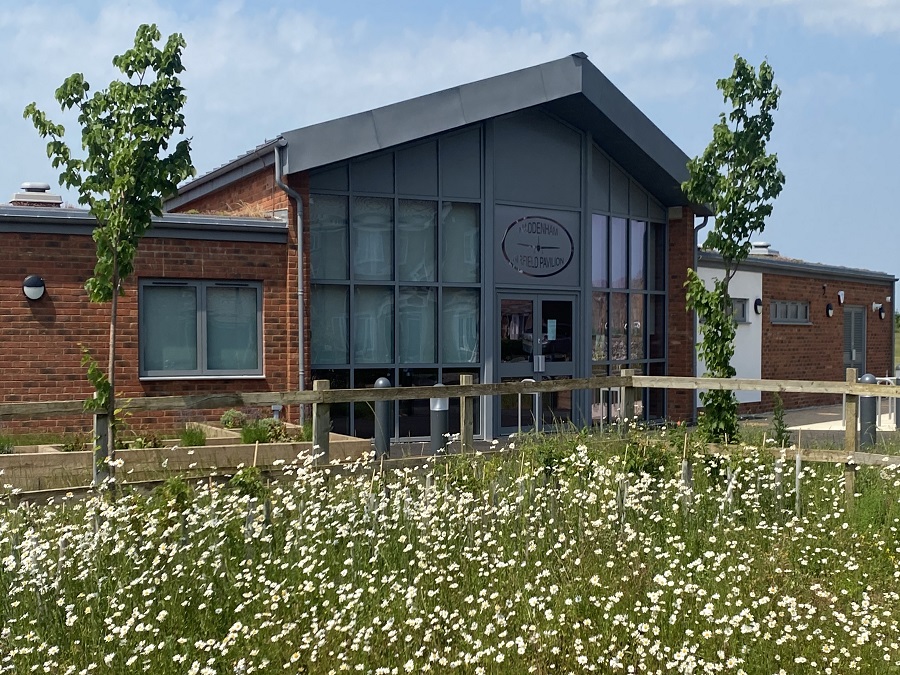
(192, 435)
(74, 443)
(780, 434)
(651, 454)
(175, 492)
(738, 179)
(248, 481)
(266, 430)
(233, 419)
(7, 445)
(147, 439)
(100, 382)
(126, 172)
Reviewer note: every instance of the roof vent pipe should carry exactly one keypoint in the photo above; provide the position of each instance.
(36, 194)
(301, 322)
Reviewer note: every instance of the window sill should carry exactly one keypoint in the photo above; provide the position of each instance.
(792, 323)
(172, 378)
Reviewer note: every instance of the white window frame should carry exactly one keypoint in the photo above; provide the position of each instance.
(201, 372)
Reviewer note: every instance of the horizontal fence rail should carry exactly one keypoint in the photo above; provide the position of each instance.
(310, 397)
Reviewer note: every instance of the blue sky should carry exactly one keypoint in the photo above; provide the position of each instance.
(257, 69)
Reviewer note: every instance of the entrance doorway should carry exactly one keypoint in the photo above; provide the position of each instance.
(536, 342)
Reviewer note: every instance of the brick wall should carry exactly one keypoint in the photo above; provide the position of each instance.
(680, 403)
(255, 195)
(815, 351)
(40, 342)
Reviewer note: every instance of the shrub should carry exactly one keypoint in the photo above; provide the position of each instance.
(233, 419)
(193, 435)
(267, 430)
(248, 481)
(780, 433)
(6, 445)
(76, 443)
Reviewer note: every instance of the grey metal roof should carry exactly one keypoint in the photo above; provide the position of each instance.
(571, 88)
(792, 266)
(173, 225)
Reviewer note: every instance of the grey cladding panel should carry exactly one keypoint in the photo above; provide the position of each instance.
(599, 184)
(332, 178)
(537, 160)
(619, 188)
(637, 201)
(417, 170)
(657, 212)
(461, 165)
(373, 174)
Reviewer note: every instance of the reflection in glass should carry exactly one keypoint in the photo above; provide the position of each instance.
(416, 235)
(232, 328)
(656, 326)
(516, 330)
(329, 313)
(328, 234)
(636, 327)
(460, 329)
(169, 328)
(618, 327)
(599, 251)
(415, 414)
(372, 225)
(373, 324)
(637, 245)
(656, 257)
(600, 326)
(556, 330)
(618, 253)
(416, 310)
(460, 242)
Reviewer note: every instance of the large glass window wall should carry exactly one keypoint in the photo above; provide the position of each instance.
(395, 293)
(628, 258)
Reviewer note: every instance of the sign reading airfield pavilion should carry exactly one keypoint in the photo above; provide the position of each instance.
(537, 246)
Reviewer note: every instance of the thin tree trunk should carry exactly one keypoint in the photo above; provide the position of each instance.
(111, 372)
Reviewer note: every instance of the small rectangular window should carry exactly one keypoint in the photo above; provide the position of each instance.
(789, 311)
(200, 328)
(739, 310)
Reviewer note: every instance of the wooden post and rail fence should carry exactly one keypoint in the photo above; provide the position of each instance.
(628, 382)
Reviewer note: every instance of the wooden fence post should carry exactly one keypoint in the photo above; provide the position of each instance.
(851, 416)
(321, 423)
(466, 423)
(849, 485)
(629, 395)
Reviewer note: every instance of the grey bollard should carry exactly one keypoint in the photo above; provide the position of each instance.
(440, 423)
(868, 415)
(383, 422)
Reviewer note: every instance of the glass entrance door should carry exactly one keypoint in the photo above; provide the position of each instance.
(536, 342)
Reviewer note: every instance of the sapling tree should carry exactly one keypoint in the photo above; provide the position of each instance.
(124, 175)
(738, 179)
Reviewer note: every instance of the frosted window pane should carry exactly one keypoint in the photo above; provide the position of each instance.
(372, 223)
(169, 322)
(460, 243)
(416, 235)
(329, 321)
(232, 328)
(373, 321)
(328, 228)
(460, 330)
(416, 310)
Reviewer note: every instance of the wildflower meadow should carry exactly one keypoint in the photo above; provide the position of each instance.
(577, 553)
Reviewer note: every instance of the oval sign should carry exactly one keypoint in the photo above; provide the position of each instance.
(538, 246)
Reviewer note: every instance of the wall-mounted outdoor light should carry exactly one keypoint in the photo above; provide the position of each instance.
(878, 307)
(841, 297)
(757, 305)
(829, 310)
(33, 287)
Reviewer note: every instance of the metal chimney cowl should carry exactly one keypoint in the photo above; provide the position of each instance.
(36, 195)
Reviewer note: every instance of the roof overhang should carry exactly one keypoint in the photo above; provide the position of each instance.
(571, 88)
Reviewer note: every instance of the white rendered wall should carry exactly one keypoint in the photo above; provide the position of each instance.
(748, 342)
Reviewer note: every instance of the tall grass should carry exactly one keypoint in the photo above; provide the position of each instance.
(577, 554)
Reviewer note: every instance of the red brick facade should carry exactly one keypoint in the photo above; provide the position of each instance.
(42, 341)
(816, 351)
(255, 195)
(680, 402)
